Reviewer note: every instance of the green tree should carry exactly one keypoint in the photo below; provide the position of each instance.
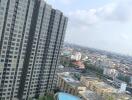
(42, 98)
(124, 78)
(30, 98)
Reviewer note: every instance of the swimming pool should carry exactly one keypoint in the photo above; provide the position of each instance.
(65, 96)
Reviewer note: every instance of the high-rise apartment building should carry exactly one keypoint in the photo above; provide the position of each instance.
(31, 37)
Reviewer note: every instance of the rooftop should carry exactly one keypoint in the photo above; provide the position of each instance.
(70, 79)
(91, 77)
(103, 85)
(99, 83)
(91, 95)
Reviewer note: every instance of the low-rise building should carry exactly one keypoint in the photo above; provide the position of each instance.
(90, 95)
(103, 89)
(68, 84)
(76, 56)
(111, 72)
(79, 64)
(88, 80)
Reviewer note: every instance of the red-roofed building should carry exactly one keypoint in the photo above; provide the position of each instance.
(79, 64)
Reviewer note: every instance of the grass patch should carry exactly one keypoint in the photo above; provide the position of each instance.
(47, 97)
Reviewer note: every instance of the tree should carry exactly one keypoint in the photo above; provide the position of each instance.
(124, 78)
(56, 90)
(30, 98)
(42, 98)
(94, 68)
(110, 98)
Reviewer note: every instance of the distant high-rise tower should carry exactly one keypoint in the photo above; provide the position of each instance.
(31, 37)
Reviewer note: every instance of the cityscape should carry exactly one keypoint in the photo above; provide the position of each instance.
(95, 74)
(38, 62)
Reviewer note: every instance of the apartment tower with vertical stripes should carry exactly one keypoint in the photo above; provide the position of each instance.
(31, 37)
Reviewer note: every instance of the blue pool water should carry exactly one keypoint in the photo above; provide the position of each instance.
(66, 96)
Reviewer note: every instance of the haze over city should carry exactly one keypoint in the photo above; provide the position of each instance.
(102, 24)
(65, 50)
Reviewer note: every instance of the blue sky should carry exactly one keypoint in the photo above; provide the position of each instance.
(102, 24)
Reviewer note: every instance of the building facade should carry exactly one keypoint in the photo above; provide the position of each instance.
(67, 84)
(76, 56)
(111, 72)
(106, 91)
(31, 37)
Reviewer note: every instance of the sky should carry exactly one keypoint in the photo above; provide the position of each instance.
(101, 24)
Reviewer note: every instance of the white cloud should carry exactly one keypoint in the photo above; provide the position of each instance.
(107, 27)
(117, 12)
(85, 17)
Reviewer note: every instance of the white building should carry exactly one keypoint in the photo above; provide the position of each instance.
(85, 58)
(110, 72)
(123, 87)
(77, 56)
